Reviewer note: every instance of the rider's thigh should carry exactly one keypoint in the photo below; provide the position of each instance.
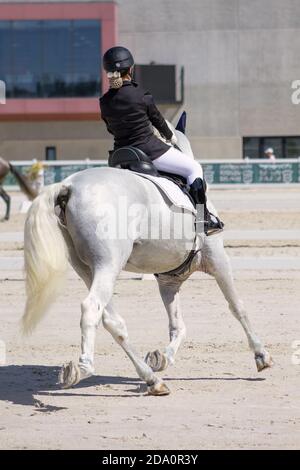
(174, 161)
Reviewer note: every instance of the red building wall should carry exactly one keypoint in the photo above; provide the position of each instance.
(60, 108)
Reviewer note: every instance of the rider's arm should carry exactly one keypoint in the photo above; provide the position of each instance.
(103, 119)
(156, 117)
(107, 126)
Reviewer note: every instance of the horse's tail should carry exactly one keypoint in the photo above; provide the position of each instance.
(46, 256)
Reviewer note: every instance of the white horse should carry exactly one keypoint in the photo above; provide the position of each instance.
(67, 223)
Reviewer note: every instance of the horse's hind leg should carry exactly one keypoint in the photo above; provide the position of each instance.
(92, 309)
(115, 324)
(169, 290)
(81, 269)
(6, 198)
(216, 262)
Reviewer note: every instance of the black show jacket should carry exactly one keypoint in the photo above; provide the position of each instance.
(128, 113)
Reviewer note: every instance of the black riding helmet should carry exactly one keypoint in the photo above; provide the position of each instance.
(117, 59)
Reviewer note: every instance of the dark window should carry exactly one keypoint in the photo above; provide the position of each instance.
(50, 153)
(283, 147)
(163, 81)
(292, 147)
(251, 147)
(276, 143)
(58, 74)
(26, 58)
(5, 54)
(50, 58)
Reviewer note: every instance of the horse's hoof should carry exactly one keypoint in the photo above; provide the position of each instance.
(156, 360)
(263, 361)
(158, 389)
(69, 375)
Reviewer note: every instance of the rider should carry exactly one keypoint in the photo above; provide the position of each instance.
(128, 112)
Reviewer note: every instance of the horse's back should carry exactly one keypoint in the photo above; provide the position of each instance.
(111, 184)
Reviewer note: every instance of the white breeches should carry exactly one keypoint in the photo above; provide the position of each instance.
(174, 161)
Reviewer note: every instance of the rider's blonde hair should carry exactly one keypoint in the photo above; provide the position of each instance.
(115, 79)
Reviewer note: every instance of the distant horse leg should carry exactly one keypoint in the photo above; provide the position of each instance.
(115, 324)
(6, 198)
(169, 290)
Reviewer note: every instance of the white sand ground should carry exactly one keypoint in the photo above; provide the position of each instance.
(217, 400)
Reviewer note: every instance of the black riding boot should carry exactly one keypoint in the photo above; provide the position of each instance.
(212, 224)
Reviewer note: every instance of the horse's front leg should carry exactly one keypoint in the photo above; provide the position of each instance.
(169, 287)
(115, 324)
(216, 263)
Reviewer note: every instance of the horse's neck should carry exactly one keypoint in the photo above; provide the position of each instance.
(183, 142)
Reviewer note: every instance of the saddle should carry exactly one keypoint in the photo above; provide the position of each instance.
(134, 159)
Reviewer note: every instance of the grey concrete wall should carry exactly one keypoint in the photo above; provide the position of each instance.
(73, 140)
(269, 61)
(202, 36)
(240, 57)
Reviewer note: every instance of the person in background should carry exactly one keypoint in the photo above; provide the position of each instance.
(36, 175)
(269, 154)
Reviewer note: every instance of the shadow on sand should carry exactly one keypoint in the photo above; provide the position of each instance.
(19, 384)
